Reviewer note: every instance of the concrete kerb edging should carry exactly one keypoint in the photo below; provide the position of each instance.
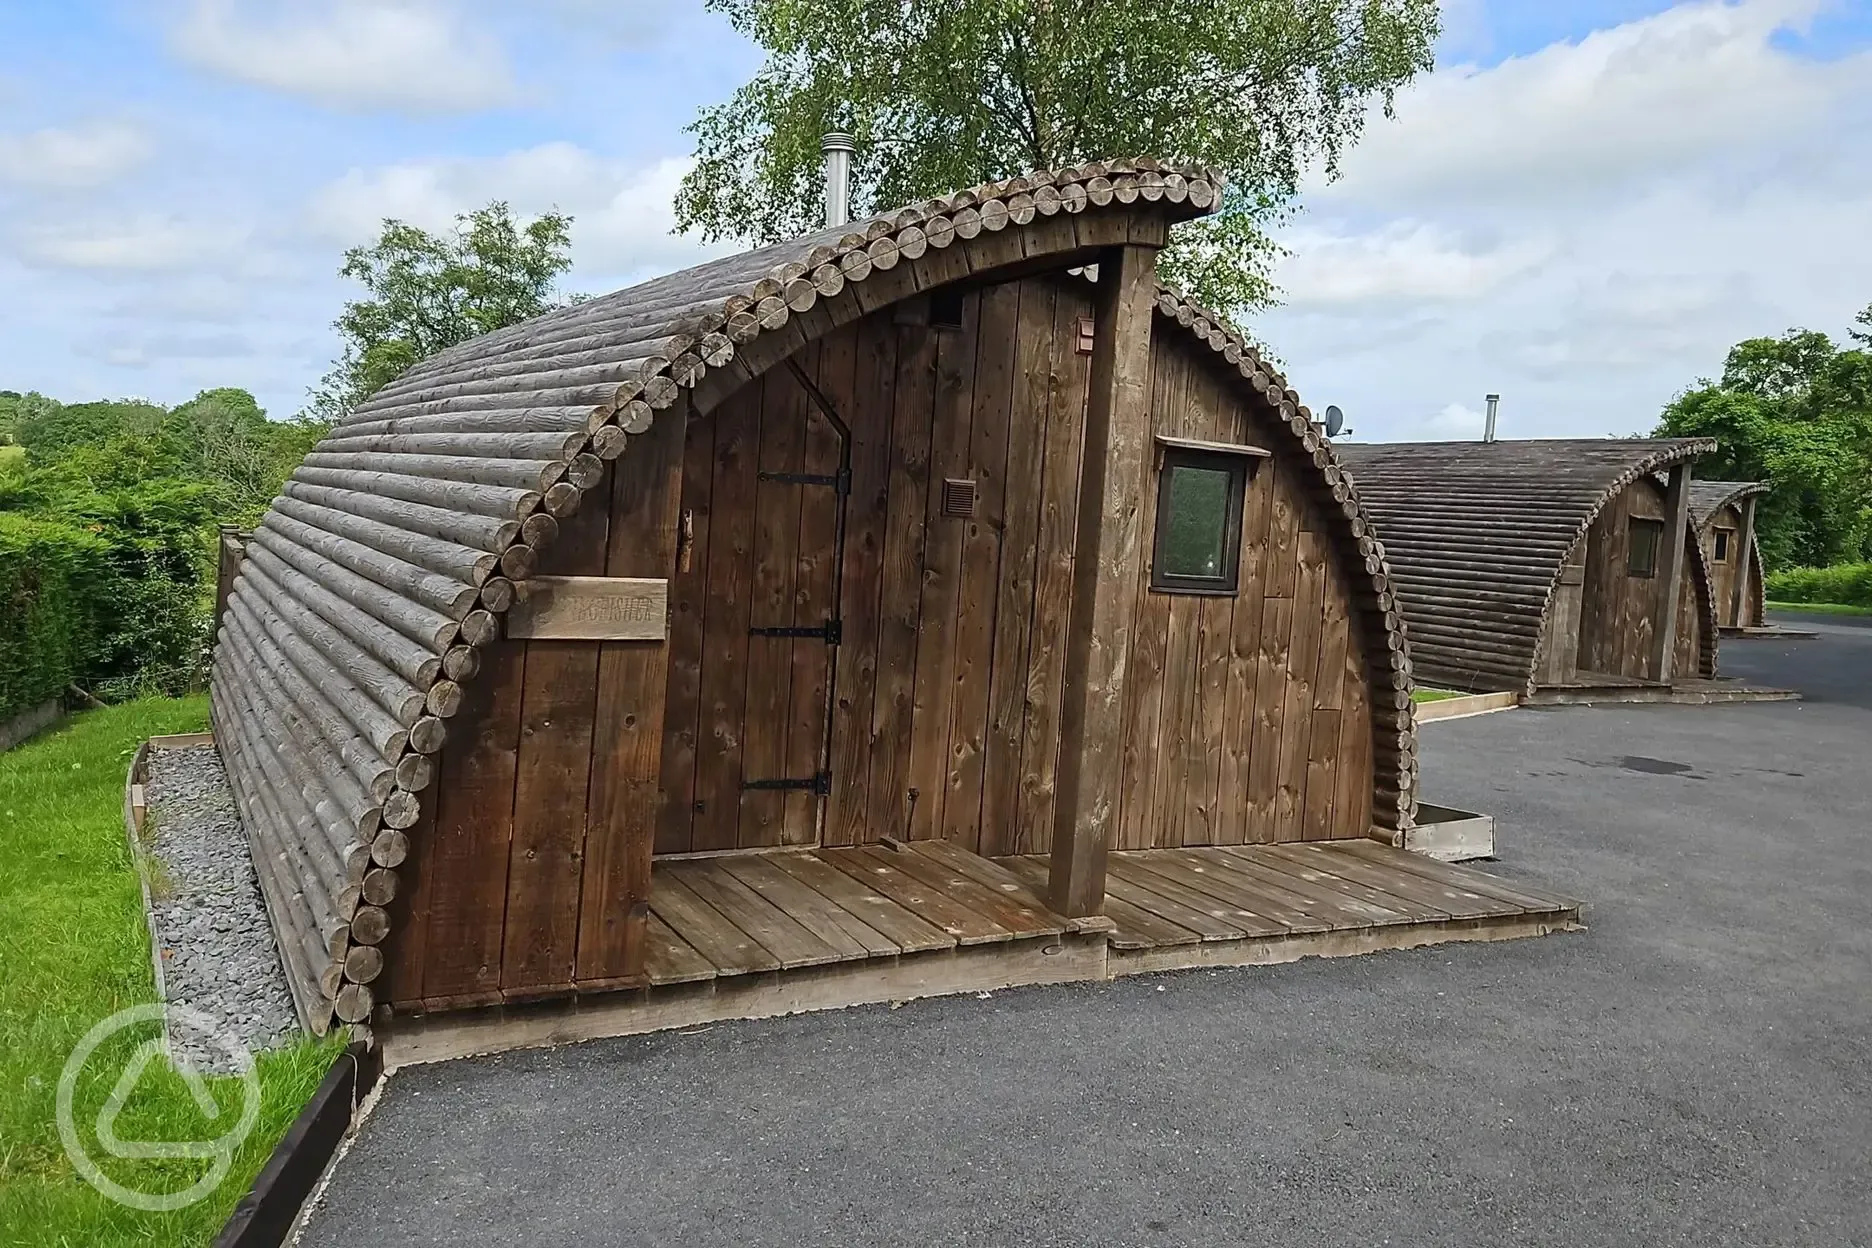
(1466, 705)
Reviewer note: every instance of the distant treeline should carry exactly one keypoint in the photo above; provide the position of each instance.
(107, 521)
(1795, 411)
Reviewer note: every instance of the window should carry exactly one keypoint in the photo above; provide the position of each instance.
(1723, 538)
(1642, 539)
(1199, 514)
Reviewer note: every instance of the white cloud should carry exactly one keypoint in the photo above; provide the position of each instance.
(1402, 260)
(141, 243)
(72, 157)
(1636, 102)
(1586, 229)
(412, 55)
(622, 213)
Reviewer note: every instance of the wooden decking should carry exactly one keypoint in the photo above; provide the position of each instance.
(1258, 904)
(741, 914)
(756, 935)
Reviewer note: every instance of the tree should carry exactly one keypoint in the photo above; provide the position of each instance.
(224, 438)
(940, 96)
(1862, 336)
(428, 292)
(1796, 411)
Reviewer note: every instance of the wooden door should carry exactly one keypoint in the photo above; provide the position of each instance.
(755, 617)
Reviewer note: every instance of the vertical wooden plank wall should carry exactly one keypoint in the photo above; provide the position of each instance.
(1727, 576)
(1248, 717)
(1619, 613)
(532, 859)
(1242, 714)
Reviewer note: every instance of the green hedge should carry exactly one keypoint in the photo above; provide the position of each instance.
(50, 577)
(1849, 584)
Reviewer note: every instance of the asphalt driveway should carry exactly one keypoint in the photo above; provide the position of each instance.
(1838, 669)
(1694, 1069)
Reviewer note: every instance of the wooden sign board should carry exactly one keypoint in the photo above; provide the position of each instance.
(592, 608)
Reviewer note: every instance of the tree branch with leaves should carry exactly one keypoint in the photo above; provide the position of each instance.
(430, 291)
(942, 96)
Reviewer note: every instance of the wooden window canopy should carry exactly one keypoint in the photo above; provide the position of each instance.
(1166, 442)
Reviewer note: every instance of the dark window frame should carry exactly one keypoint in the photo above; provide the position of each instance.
(1648, 568)
(1239, 465)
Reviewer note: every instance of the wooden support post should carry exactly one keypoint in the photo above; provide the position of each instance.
(1670, 567)
(1105, 579)
(1745, 567)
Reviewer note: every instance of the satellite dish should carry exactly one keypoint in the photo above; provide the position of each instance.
(1335, 420)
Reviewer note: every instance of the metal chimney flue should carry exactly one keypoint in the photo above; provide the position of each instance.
(838, 148)
(1488, 430)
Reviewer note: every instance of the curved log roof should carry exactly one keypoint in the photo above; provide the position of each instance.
(1709, 497)
(1475, 534)
(396, 547)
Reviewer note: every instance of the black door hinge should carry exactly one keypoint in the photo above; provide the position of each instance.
(839, 481)
(831, 632)
(820, 785)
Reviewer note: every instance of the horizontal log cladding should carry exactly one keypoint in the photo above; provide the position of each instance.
(1475, 535)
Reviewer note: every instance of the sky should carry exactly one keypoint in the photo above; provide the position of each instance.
(1581, 208)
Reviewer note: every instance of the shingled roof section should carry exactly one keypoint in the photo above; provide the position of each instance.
(396, 546)
(1475, 534)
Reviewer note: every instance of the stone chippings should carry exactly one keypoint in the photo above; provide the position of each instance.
(217, 949)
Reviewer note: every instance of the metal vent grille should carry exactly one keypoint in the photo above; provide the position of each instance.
(958, 498)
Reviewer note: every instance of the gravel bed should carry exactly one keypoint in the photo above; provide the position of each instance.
(218, 954)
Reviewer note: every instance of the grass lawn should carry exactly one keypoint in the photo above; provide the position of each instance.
(1819, 608)
(1435, 695)
(75, 949)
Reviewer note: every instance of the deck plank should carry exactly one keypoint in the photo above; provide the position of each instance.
(732, 950)
(838, 927)
(1009, 910)
(1234, 906)
(1341, 910)
(876, 871)
(772, 927)
(1318, 870)
(1255, 892)
(1466, 877)
(1137, 928)
(912, 934)
(1167, 899)
(1455, 901)
(668, 959)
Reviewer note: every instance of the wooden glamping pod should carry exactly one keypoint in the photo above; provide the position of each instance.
(1543, 565)
(849, 599)
(1724, 515)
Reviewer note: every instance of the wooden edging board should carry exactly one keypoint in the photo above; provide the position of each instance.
(1468, 704)
(268, 1212)
(135, 810)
